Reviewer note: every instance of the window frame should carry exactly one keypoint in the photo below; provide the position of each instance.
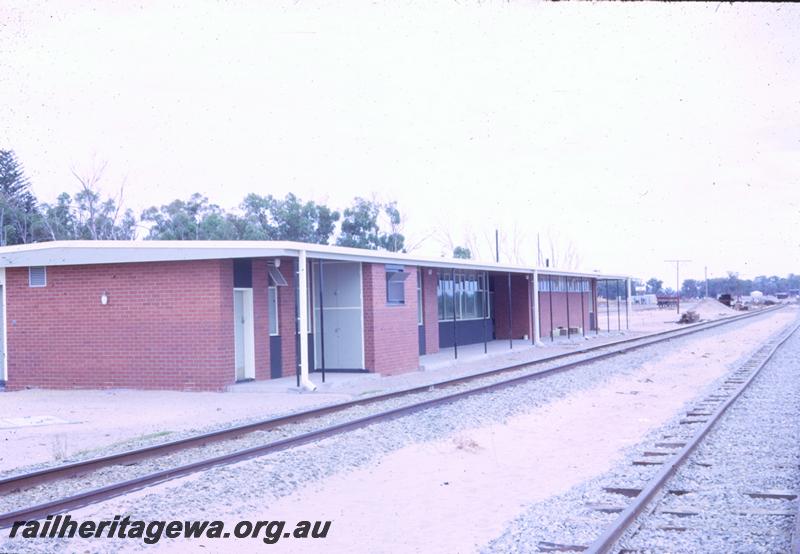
(465, 295)
(272, 290)
(396, 276)
(30, 277)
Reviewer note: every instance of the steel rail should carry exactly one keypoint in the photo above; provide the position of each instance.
(638, 506)
(28, 480)
(15, 482)
(73, 469)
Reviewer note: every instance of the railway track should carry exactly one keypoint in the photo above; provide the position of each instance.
(430, 396)
(661, 507)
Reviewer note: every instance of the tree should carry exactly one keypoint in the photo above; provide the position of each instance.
(516, 246)
(733, 283)
(267, 218)
(393, 240)
(256, 221)
(194, 219)
(360, 227)
(303, 222)
(654, 286)
(18, 210)
(58, 220)
(87, 215)
(691, 288)
(462, 253)
(563, 253)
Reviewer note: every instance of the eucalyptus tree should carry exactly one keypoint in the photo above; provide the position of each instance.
(361, 227)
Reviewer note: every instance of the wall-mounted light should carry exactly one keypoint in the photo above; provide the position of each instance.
(430, 272)
(277, 262)
(104, 298)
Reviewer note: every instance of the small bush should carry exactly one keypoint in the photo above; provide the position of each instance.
(689, 317)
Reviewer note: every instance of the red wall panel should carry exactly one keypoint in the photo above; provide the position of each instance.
(167, 325)
(391, 336)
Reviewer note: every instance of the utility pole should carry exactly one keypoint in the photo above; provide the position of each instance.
(678, 279)
(497, 245)
(705, 274)
(538, 252)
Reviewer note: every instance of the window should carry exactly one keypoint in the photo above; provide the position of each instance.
(276, 276)
(37, 276)
(395, 284)
(550, 284)
(273, 310)
(563, 284)
(578, 285)
(469, 295)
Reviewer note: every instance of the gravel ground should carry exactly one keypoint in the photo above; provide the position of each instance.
(754, 448)
(155, 438)
(562, 385)
(280, 473)
(114, 474)
(414, 380)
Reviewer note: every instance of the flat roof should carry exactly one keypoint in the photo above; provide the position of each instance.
(85, 252)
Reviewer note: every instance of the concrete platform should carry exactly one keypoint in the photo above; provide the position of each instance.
(334, 382)
(502, 349)
(433, 367)
(120, 419)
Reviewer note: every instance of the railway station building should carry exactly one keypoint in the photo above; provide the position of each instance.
(202, 315)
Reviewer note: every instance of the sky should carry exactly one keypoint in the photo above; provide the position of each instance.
(623, 135)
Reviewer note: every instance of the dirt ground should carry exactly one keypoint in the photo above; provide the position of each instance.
(95, 418)
(568, 441)
(48, 426)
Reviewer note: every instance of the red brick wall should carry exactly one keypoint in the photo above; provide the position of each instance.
(520, 306)
(430, 310)
(391, 337)
(287, 319)
(261, 318)
(168, 325)
(560, 311)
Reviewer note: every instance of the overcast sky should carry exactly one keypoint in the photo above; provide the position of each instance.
(634, 132)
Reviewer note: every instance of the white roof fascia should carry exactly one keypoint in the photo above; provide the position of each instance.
(81, 252)
(569, 273)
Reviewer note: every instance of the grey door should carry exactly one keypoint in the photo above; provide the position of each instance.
(342, 315)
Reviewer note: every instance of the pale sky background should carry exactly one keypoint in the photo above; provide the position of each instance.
(637, 132)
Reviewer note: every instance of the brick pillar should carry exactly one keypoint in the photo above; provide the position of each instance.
(261, 317)
(430, 310)
(287, 326)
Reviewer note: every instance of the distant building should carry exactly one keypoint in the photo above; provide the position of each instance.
(645, 299)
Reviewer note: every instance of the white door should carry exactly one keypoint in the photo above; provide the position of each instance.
(243, 334)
